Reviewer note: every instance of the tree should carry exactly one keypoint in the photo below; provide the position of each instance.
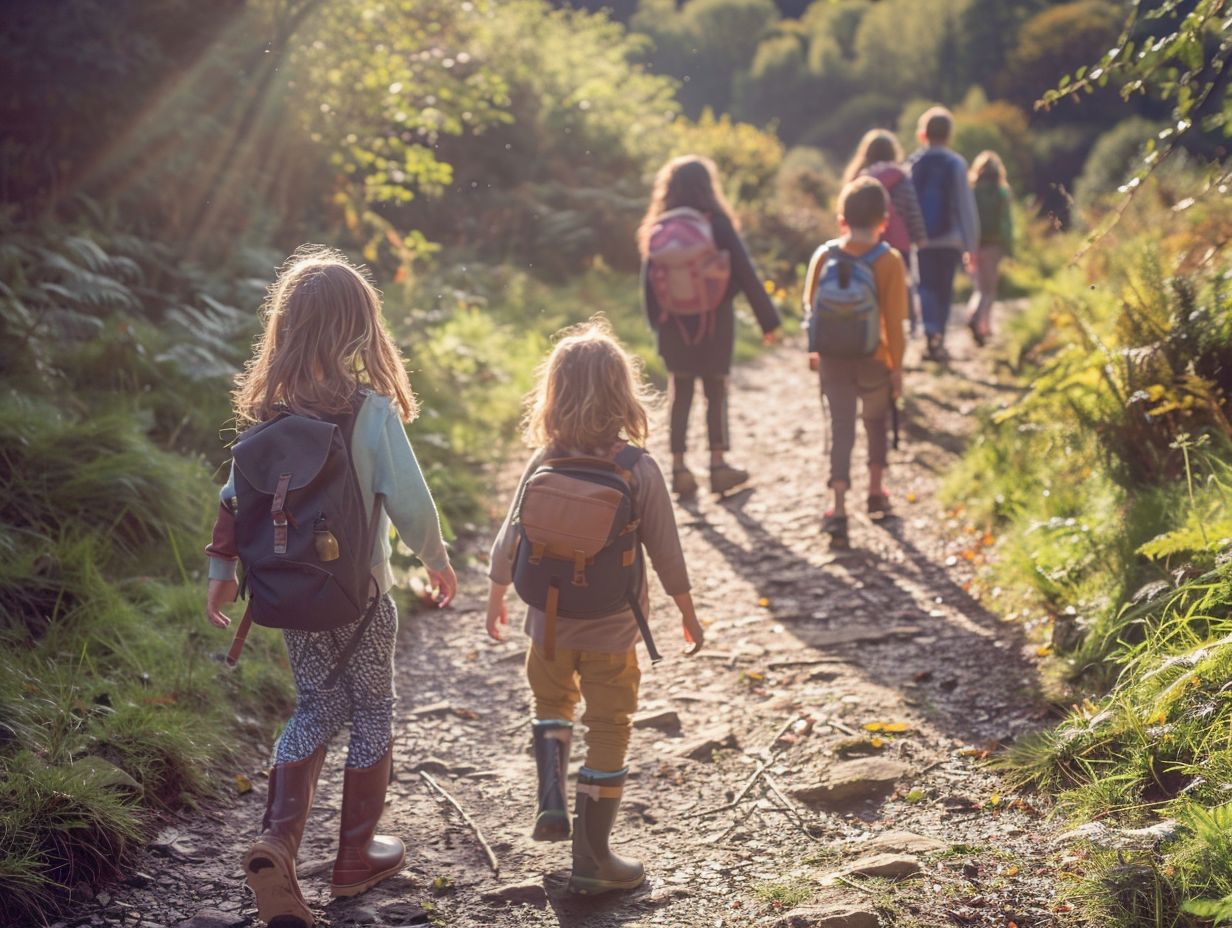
(1055, 42)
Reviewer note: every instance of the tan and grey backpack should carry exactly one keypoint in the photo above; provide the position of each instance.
(578, 553)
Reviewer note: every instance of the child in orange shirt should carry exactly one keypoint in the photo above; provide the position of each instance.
(855, 298)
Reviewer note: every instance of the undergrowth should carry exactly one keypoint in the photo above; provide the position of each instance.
(1108, 485)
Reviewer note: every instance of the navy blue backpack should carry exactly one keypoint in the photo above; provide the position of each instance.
(933, 177)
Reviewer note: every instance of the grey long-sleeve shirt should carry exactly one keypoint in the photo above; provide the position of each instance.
(652, 504)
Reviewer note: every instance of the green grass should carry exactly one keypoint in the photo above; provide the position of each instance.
(1107, 486)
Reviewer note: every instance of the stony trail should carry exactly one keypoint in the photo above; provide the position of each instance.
(806, 649)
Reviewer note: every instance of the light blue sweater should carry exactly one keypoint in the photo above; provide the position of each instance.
(384, 463)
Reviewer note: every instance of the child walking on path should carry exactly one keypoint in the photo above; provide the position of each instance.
(880, 156)
(325, 360)
(992, 200)
(950, 218)
(855, 298)
(693, 265)
(587, 413)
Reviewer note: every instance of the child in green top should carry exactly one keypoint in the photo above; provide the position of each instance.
(992, 201)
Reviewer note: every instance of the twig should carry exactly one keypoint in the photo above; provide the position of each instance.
(804, 662)
(853, 884)
(748, 785)
(513, 729)
(789, 807)
(734, 825)
(445, 794)
(839, 726)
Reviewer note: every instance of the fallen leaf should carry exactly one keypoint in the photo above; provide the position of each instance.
(242, 784)
(764, 603)
(1011, 870)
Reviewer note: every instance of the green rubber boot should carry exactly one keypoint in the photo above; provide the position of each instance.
(552, 740)
(595, 868)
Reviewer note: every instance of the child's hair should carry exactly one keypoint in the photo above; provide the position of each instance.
(863, 203)
(588, 393)
(936, 124)
(324, 336)
(877, 145)
(690, 180)
(988, 167)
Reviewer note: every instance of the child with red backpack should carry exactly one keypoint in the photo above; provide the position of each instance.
(322, 468)
(880, 156)
(855, 300)
(590, 499)
(693, 265)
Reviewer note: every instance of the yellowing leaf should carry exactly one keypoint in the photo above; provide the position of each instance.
(764, 603)
(242, 784)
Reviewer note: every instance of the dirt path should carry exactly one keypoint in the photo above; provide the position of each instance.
(800, 640)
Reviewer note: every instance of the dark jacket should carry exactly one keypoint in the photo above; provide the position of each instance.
(712, 355)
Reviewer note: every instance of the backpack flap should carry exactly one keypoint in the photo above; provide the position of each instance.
(291, 445)
(571, 519)
(846, 317)
(688, 274)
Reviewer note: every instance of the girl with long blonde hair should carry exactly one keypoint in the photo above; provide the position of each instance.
(324, 353)
(589, 402)
(687, 192)
(993, 202)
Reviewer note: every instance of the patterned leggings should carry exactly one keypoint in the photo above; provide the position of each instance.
(364, 696)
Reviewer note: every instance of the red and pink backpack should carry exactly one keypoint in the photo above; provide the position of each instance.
(688, 274)
(896, 233)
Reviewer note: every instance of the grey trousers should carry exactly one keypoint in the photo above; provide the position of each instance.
(846, 383)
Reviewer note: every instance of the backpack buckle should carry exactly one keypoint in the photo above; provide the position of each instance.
(579, 569)
(537, 550)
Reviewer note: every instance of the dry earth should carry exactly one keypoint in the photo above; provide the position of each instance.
(806, 650)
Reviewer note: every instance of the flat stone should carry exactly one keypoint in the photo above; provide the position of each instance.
(897, 842)
(829, 916)
(530, 892)
(212, 918)
(360, 916)
(702, 745)
(666, 720)
(886, 866)
(831, 639)
(851, 781)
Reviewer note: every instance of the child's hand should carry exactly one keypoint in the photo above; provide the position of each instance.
(769, 338)
(218, 593)
(693, 634)
(814, 361)
(445, 583)
(896, 383)
(498, 615)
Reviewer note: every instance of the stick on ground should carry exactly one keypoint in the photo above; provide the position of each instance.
(448, 797)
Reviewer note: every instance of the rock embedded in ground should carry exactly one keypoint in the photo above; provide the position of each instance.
(885, 866)
(664, 720)
(829, 916)
(707, 741)
(212, 918)
(848, 782)
(897, 842)
(530, 892)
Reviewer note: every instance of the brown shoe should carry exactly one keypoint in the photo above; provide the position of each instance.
(364, 857)
(684, 484)
(269, 865)
(724, 477)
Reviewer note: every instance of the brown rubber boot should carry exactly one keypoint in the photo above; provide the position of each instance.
(552, 740)
(595, 868)
(364, 857)
(269, 865)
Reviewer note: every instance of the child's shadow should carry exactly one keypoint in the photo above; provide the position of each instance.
(574, 911)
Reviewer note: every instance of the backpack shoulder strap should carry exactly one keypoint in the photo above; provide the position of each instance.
(870, 257)
(628, 457)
